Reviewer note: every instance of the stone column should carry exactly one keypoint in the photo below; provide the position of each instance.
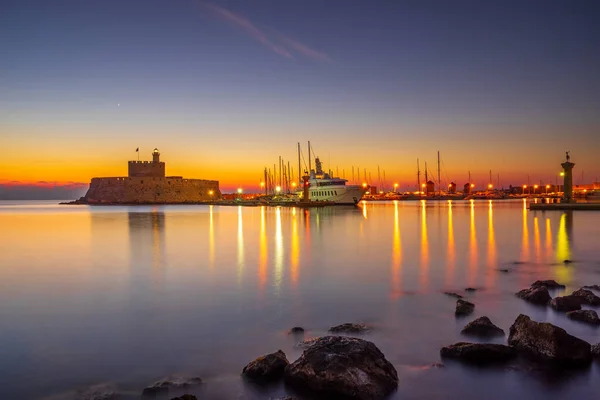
(568, 182)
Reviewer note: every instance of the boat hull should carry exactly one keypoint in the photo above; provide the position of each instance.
(338, 195)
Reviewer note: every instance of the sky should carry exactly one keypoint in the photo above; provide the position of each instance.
(224, 88)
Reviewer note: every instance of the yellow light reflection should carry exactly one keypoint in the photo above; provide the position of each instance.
(262, 255)
(563, 246)
(424, 275)
(548, 237)
(472, 247)
(240, 246)
(211, 239)
(537, 243)
(451, 257)
(295, 251)
(364, 209)
(525, 243)
(278, 250)
(396, 256)
(492, 256)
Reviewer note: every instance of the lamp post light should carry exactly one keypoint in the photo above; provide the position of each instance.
(422, 188)
(278, 189)
(535, 188)
(396, 187)
(490, 186)
(524, 187)
(547, 187)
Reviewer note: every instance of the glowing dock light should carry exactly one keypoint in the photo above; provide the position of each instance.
(364, 184)
(210, 192)
(278, 189)
(293, 184)
(490, 186)
(395, 187)
(239, 190)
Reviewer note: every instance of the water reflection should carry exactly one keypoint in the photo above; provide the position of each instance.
(563, 238)
(295, 250)
(525, 234)
(240, 246)
(451, 256)
(278, 273)
(492, 257)
(262, 254)
(147, 230)
(472, 246)
(537, 243)
(396, 256)
(424, 273)
(548, 236)
(211, 238)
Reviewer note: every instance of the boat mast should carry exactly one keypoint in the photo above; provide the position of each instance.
(266, 182)
(418, 177)
(439, 178)
(288, 180)
(309, 162)
(299, 171)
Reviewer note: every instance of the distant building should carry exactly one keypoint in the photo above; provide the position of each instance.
(452, 187)
(147, 183)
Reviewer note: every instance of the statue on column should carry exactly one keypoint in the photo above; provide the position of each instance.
(568, 156)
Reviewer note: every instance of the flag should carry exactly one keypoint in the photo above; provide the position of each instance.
(137, 150)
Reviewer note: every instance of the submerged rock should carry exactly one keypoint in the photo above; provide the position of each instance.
(593, 287)
(567, 261)
(470, 289)
(566, 303)
(343, 367)
(479, 353)
(548, 342)
(588, 316)
(596, 350)
(550, 284)
(102, 391)
(452, 294)
(482, 326)
(536, 295)
(162, 386)
(296, 330)
(464, 307)
(587, 296)
(349, 327)
(266, 368)
(185, 397)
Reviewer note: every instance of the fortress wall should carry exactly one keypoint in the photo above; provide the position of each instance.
(151, 190)
(146, 169)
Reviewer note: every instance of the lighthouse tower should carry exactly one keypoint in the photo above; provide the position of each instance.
(155, 156)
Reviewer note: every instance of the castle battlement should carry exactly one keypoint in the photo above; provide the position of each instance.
(146, 183)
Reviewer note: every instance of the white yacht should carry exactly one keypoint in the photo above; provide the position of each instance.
(323, 187)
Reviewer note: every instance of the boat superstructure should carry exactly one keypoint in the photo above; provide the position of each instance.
(323, 187)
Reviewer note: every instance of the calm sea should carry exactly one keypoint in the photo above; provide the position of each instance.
(128, 295)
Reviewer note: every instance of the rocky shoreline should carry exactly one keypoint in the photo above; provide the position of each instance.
(343, 365)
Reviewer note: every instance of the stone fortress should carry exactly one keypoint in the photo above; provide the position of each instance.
(147, 183)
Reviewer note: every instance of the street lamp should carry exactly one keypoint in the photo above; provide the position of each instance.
(524, 187)
(535, 188)
(490, 186)
(278, 189)
(547, 187)
(210, 192)
(396, 187)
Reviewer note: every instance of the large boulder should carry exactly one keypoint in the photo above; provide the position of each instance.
(266, 368)
(464, 307)
(548, 342)
(596, 350)
(349, 327)
(587, 297)
(163, 386)
(549, 284)
(587, 316)
(566, 303)
(343, 367)
(479, 353)
(536, 295)
(482, 326)
(102, 391)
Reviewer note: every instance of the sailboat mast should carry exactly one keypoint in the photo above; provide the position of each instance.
(266, 182)
(309, 161)
(299, 168)
(439, 178)
(418, 177)
(287, 181)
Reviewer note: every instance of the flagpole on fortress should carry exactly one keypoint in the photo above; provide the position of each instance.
(138, 153)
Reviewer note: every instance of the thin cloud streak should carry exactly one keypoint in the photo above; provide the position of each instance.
(281, 46)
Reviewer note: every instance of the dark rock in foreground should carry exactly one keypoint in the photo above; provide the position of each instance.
(343, 367)
(296, 330)
(593, 287)
(549, 284)
(360, 327)
(548, 342)
(452, 294)
(266, 368)
(284, 398)
(103, 391)
(536, 295)
(587, 296)
(482, 326)
(464, 307)
(596, 350)
(479, 353)
(307, 343)
(588, 316)
(566, 303)
(185, 397)
(162, 386)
